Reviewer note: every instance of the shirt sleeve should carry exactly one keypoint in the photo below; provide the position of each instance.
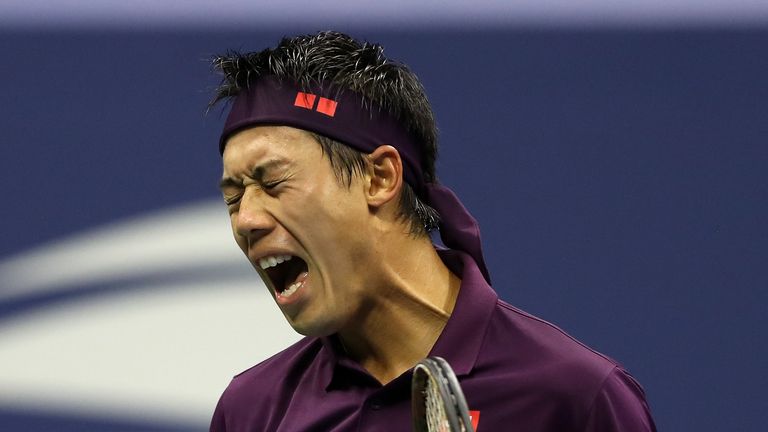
(620, 406)
(217, 422)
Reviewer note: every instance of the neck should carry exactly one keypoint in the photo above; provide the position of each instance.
(415, 296)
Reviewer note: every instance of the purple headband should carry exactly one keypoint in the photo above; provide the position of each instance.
(350, 119)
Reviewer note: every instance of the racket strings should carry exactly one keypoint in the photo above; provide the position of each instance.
(437, 399)
(435, 404)
(437, 418)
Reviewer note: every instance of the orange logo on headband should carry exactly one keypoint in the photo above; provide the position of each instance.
(307, 101)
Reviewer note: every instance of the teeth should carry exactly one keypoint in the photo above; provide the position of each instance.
(291, 289)
(272, 261)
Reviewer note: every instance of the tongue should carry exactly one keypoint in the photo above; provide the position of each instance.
(296, 271)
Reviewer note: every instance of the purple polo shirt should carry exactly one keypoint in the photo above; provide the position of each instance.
(521, 373)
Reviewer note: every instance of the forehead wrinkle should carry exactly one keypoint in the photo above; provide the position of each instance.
(260, 170)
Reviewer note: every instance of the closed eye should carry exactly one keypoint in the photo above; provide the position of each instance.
(269, 185)
(232, 200)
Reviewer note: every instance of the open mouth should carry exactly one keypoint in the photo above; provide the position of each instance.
(287, 273)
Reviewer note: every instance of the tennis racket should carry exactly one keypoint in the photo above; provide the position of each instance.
(438, 404)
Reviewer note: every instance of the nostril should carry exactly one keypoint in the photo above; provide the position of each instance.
(253, 223)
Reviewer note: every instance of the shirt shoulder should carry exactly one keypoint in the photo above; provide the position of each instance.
(620, 405)
(253, 395)
(534, 341)
(301, 352)
(537, 373)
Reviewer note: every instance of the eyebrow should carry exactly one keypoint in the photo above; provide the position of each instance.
(257, 173)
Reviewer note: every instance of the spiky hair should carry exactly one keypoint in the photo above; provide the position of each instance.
(338, 59)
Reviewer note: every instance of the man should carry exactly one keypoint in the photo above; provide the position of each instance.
(328, 156)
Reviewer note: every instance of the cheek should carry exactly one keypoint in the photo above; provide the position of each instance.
(336, 213)
(341, 226)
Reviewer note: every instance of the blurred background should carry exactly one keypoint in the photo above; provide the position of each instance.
(613, 152)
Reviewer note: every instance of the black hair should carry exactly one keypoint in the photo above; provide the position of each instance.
(338, 59)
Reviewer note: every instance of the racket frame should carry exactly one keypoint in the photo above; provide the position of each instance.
(455, 405)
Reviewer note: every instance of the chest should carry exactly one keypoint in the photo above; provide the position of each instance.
(348, 409)
(494, 405)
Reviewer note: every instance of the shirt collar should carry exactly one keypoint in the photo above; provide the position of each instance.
(462, 337)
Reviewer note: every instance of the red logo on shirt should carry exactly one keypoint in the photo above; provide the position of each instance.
(324, 105)
(474, 417)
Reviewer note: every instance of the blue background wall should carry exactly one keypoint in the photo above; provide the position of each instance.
(619, 177)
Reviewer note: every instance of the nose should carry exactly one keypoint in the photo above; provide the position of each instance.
(252, 220)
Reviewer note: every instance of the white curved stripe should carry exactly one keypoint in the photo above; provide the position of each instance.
(394, 13)
(168, 240)
(162, 355)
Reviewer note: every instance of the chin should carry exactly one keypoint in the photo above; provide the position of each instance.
(313, 328)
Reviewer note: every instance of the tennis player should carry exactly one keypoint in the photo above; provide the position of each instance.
(328, 173)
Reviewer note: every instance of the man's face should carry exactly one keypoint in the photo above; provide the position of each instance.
(303, 231)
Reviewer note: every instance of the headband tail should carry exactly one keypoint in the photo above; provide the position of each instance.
(458, 228)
